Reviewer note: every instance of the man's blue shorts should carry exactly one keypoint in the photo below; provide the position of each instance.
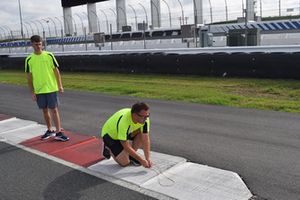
(48, 100)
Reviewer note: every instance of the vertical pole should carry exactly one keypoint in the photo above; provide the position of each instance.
(62, 40)
(45, 40)
(260, 5)
(226, 10)
(85, 38)
(21, 21)
(144, 35)
(195, 23)
(279, 9)
(246, 29)
(111, 43)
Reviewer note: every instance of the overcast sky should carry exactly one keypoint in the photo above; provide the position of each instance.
(37, 10)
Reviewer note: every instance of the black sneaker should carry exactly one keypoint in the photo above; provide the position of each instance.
(134, 161)
(61, 137)
(47, 135)
(106, 152)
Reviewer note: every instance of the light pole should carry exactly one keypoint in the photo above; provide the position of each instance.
(134, 16)
(170, 18)
(226, 10)
(145, 13)
(243, 8)
(182, 13)
(260, 6)
(246, 28)
(210, 10)
(107, 27)
(21, 21)
(279, 7)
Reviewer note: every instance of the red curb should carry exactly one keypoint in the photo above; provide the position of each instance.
(4, 117)
(81, 149)
(85, 154)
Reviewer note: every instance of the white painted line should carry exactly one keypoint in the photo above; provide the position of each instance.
(24, 133)
(13, 124)
(7, 120)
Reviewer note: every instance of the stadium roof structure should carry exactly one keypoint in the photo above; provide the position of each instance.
(69, 3)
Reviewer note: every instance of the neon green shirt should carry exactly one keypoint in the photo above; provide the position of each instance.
(120, 124)
(41, 67)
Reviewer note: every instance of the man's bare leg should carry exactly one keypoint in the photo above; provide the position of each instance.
(47, 118)
(122, 159)
(56, 119)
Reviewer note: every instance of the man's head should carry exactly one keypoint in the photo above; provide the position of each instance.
(37, 43)
(140, 112)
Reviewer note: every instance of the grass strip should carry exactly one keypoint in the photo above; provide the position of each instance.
(277, 95)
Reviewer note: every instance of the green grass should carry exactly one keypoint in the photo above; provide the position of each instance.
(278, 95)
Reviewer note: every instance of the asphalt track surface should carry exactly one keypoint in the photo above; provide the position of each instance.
(263, 147)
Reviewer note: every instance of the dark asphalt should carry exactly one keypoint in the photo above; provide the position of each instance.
(25, 176)
(263, 147)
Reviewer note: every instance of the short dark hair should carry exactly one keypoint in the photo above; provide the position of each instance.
(138, 107)
(36, 38)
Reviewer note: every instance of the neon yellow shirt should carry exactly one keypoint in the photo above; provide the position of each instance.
(41, 67)
(120, 124)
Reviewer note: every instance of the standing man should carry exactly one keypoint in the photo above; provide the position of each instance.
(124, 126)
(44, 82)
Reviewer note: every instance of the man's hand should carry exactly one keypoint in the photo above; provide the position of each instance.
(145, 163)
(149, 163)
(33, 96)
(61, 89)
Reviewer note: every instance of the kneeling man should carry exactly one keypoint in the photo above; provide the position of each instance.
(126, 131)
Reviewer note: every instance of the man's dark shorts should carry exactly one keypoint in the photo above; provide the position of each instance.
(114, 145)
(49, 100)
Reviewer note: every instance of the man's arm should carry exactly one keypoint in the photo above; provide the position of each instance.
(30, 85)
(58, 79)
(146, 147)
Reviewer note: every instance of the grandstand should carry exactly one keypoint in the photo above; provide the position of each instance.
(272, 33)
